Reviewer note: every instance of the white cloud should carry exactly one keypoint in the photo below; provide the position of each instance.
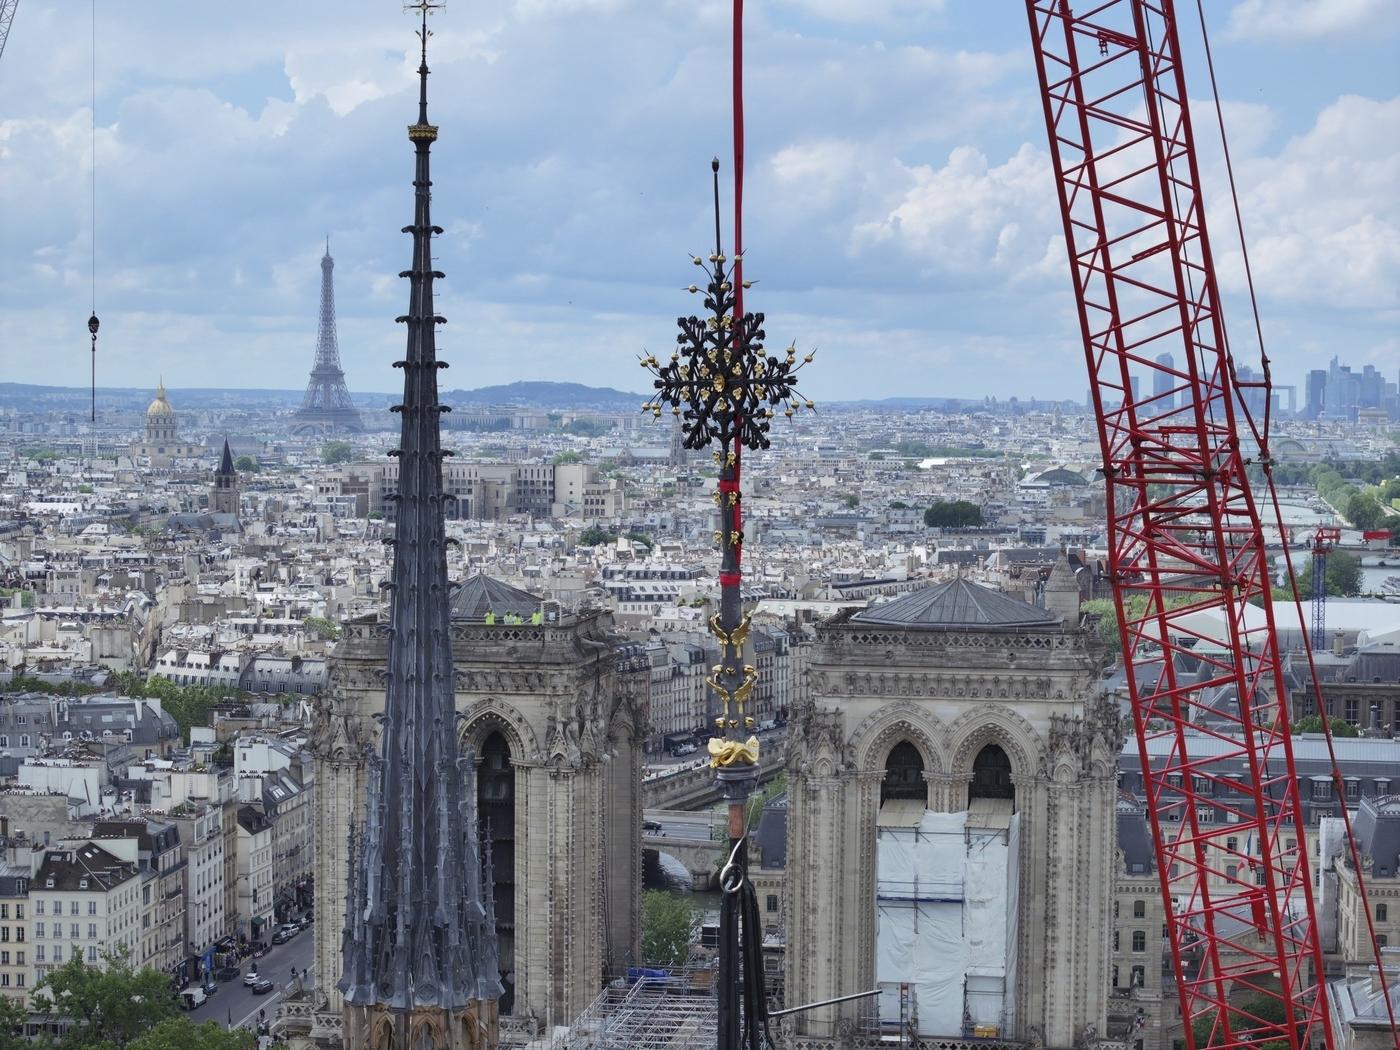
(969, 217)
(890, 201)
(1308, 19)
(866, 10)
(1323, 215)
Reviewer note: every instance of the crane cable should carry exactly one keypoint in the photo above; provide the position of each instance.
(1267, 462)
(93, 323)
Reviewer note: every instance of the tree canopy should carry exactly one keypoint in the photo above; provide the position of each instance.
(1313, 724)
(1342, 577)
(594, 535)
(110, 1006)
(12, 1018)
(23, 683)
(322, 627)
(1266, 1008)
(670, 923)
(955, 514)
(180, 1033)
(189, 705)
(333, 452)
(586, 427)
(1106, 614)
(245, 465)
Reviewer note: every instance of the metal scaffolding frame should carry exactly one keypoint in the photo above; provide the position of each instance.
(677, 1012)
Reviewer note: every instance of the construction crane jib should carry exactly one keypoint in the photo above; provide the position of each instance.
(7, 19)
(1186, 544)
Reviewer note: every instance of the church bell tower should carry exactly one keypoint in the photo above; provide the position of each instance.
(223, 497)
(951, 822)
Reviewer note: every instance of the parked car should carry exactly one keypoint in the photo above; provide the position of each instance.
(251, 978)
(306, 920)
(192, 998)
(262, 986)
(281, 936)
(767, 725)
(684, 749)
(652, 827)
(210, 986)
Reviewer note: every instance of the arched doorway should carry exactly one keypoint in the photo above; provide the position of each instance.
(904, 774)
(495, 800)
(991, 775)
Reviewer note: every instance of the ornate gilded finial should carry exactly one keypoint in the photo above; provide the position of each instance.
(423, 130)
(720, 382)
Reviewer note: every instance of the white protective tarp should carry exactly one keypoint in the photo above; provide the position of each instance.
(1013, 913)
(942, 920)
(985, 913)
(918, 934)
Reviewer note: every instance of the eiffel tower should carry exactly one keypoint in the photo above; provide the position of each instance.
(327, 406)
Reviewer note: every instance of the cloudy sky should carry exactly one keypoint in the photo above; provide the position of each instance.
(900, 210)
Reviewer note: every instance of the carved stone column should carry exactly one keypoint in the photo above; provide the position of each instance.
(942, 789)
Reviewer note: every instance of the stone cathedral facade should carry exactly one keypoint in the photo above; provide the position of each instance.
(954, 706)
(557, 738)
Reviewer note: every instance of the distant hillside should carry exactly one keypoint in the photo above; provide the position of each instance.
(547, 395)
(534, 395)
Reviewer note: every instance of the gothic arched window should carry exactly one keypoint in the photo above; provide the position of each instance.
(495, 799)
(904, 774)
(991, 775)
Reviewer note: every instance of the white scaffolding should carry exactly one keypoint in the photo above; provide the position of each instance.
(653, 1013)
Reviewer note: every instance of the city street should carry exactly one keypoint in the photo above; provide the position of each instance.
(236, 1002)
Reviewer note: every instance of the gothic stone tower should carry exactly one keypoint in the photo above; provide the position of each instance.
(557, 742)
(223, 497)
(953, 725)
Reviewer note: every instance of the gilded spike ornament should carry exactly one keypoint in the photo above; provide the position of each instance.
(725, 389)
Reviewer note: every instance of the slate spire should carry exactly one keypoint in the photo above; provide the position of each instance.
(418, 937)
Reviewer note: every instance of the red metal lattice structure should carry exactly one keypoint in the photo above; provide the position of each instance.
(1186, 543)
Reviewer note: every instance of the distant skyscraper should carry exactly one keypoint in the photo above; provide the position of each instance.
(1163, 382)
(1316, 393)
(327, 405)
(1370, 388)
(1342, 392)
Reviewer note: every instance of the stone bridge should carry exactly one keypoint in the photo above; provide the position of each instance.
(692, 785)
(701, 857)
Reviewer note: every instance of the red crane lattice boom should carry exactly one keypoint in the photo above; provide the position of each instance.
(1186, 547)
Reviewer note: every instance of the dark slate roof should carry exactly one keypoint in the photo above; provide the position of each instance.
(1377, 825)
(253, 820)
(772, 832)
(155, 837)
(481, 594)
(956, 603)
(68, 869)
(1134, 836)
(1375, 663)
